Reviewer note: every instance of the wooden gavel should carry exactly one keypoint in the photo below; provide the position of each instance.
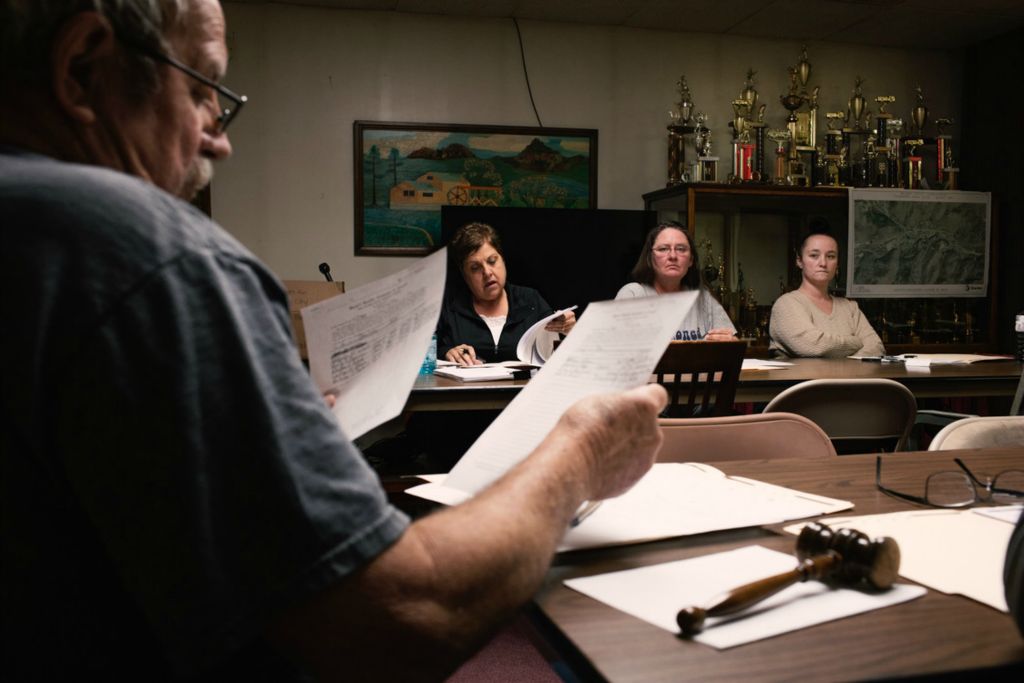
(846, 555)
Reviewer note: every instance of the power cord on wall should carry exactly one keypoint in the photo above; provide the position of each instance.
(526, 74)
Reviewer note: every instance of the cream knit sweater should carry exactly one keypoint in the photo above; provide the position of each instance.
(798, 328)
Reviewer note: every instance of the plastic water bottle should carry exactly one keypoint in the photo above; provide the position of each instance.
(1019, 327)
(430, 362)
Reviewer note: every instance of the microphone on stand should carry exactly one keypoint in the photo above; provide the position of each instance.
(326, 270)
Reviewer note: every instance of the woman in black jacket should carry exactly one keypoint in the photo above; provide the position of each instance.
(483, 320)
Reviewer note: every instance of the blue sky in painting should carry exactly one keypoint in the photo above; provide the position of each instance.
(484, 146)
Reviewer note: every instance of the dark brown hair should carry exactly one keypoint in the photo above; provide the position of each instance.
(468, 239)
(643, 271)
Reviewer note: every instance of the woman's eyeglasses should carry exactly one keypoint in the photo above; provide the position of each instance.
(664, 249)
(952, 489)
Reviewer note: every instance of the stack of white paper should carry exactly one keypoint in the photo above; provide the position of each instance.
(677, 499)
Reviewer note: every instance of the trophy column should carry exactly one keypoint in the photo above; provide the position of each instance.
(678, 129)
(883, 144)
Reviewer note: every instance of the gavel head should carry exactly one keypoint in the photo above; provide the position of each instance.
(876, 561)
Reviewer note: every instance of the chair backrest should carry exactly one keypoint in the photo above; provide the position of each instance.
(980, 432)
(700, 377)
(859, 415)
(742, 437)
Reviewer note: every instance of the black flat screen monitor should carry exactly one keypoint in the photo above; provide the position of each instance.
(571, 256)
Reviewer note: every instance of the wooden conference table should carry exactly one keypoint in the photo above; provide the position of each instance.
(933, 634)
(989, 378)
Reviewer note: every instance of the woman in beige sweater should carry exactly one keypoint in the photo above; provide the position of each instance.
(810, 322)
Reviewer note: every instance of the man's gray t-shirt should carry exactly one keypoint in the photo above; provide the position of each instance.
(172, 477)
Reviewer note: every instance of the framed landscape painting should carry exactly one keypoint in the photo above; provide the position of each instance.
(405, 172)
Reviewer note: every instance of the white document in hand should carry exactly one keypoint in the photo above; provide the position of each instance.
(613, 347)
(531, 347)
(366, 346)
(656, 593)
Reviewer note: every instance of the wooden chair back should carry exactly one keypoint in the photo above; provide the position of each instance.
(700, 377)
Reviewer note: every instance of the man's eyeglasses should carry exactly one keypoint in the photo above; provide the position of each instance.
(227, 111)
(952, 489)
(664, 249)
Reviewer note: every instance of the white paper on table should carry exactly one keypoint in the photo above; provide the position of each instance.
(952, 551)
(760, 364)
(367, 345)
(531, 347)
(656, 593)
(475, 373)
(614, 347)
(676, 499)
(682, 499)
(928, 359)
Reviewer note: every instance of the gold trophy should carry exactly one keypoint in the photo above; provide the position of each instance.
(914, 163)
(879, 172)
(743, 123)
(780, 138)
(894, 129)
(856, 103)
(946, 171)
(793, 100)
(807, 119)
(679, 127)
(706, 169)
(834, 158)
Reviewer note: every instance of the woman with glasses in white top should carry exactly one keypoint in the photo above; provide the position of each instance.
(669, 263)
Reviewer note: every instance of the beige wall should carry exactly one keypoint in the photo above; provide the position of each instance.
(310, 72)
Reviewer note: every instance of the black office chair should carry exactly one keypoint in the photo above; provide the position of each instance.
(700, 377)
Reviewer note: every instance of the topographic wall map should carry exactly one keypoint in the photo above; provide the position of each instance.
(918, 243)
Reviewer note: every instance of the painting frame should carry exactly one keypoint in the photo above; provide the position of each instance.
(404, 172)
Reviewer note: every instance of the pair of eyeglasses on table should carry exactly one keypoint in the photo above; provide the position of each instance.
(961, 489)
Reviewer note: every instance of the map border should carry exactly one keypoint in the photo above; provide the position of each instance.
(868, 291)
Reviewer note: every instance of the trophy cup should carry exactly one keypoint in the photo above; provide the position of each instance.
(868, 169)
(742, 125)
(779, 137)
(679, 127)
(741, 147)
(856, 103)
(894, 129)
(914, 163)
(946, 172)
(792, 101)
(754, 125)
(834, 157)
(879, 174)
(919, 114)
(707, 165)
(855, 133)
(807, 119)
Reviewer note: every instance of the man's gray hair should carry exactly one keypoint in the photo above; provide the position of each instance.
(28, 27)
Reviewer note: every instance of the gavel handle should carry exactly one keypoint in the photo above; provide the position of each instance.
(691, 619)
